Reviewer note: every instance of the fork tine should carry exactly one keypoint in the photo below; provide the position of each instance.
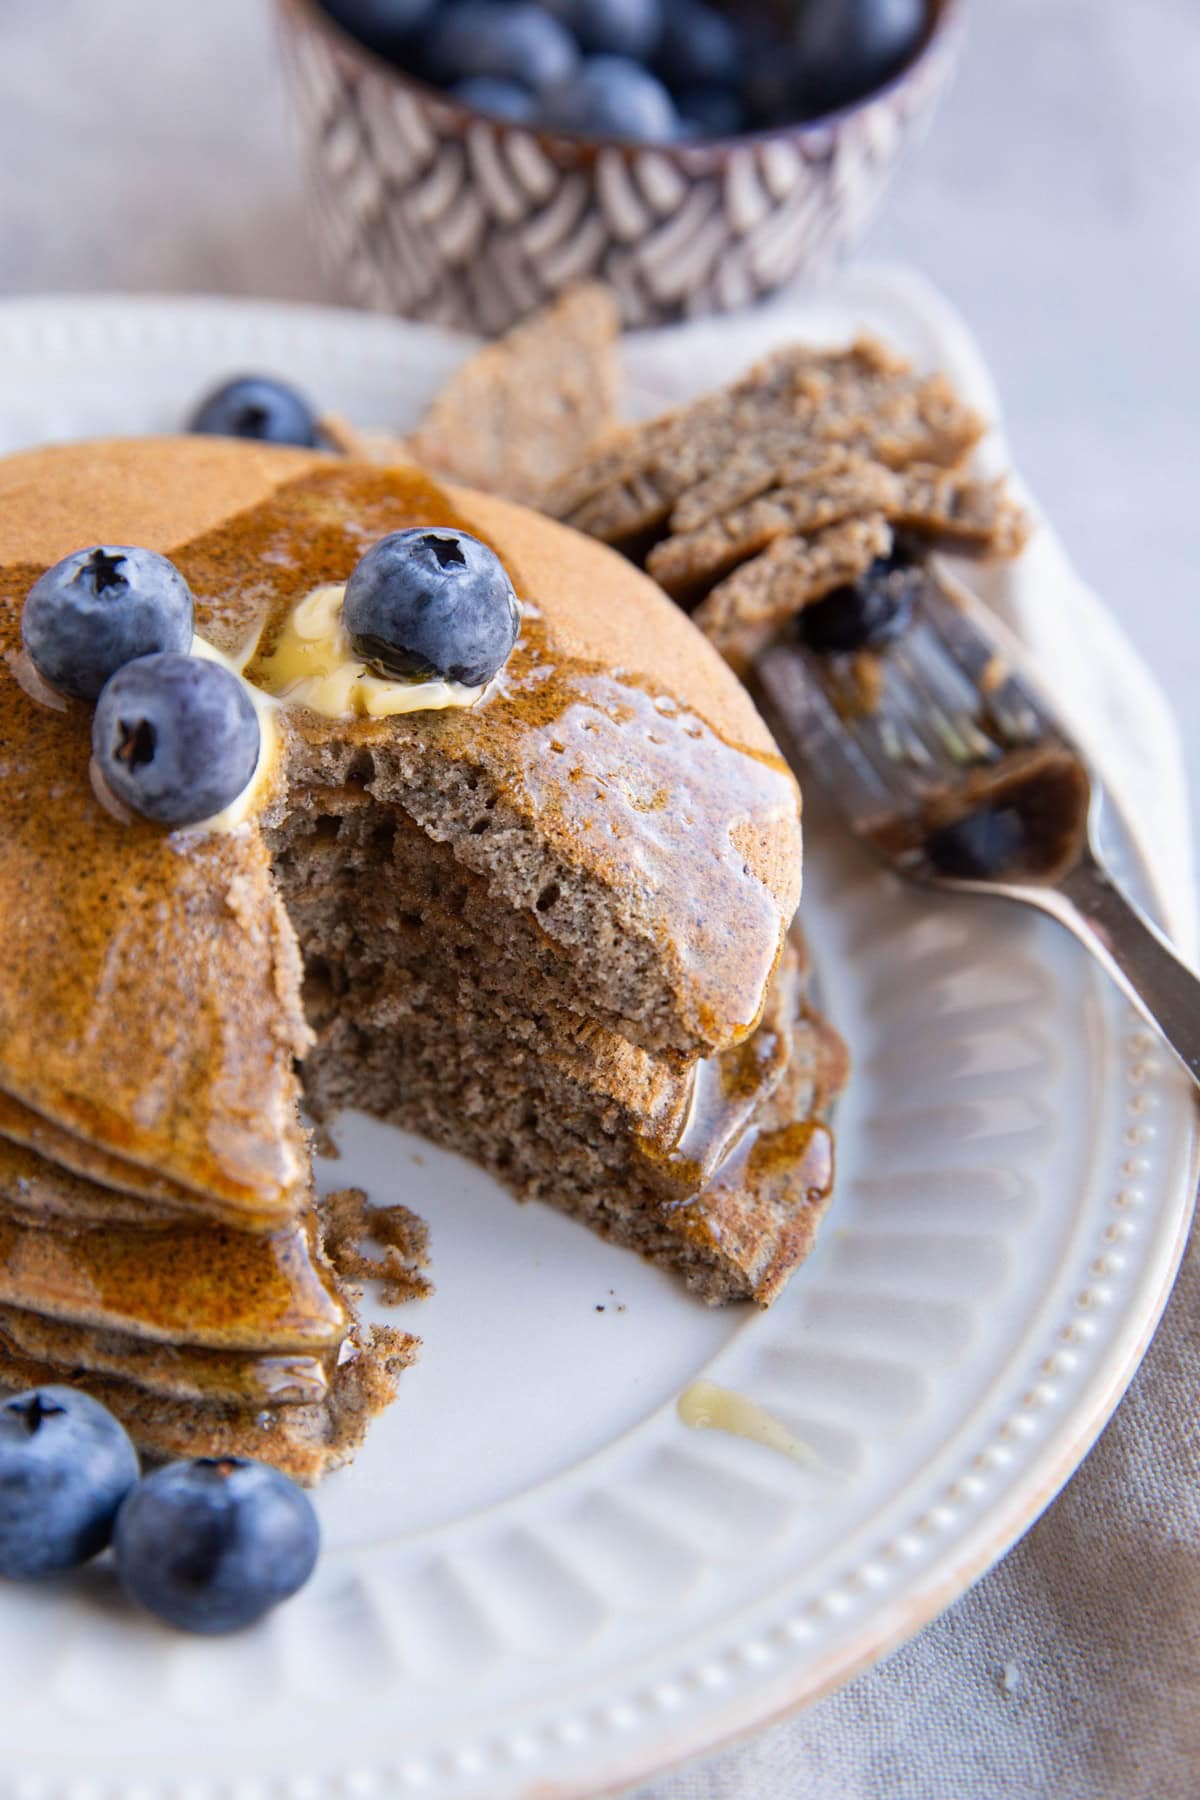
(1012, 704)
(808, 726)
(920, 705)
(939, 712)
(949, 697)
(897, 736)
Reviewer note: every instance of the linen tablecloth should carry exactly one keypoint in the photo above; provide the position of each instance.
(1072, 1671)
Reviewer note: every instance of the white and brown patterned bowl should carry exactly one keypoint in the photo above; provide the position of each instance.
(429, 209)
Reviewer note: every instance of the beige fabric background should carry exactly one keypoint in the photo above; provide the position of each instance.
(143, 146)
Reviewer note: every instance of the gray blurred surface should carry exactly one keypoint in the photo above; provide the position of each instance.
(1057, 201)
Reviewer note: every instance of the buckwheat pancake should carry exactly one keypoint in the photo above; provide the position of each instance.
(752, 503)
(305, 1439)
(550, 930)
(199, 1284)
(175, 1371)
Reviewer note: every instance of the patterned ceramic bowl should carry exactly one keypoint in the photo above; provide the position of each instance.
(429, 209)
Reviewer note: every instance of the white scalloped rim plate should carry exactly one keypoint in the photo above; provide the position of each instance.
(537, 1581)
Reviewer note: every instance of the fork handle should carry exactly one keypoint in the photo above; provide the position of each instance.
(1135, 953)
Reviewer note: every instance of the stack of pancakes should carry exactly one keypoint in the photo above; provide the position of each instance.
(551, 931)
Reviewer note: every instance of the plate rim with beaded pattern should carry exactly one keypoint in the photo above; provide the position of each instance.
(570, 1591)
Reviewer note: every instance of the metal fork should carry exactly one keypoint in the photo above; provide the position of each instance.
(946, 758)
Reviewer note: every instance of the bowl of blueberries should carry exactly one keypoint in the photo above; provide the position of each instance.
(471, 158)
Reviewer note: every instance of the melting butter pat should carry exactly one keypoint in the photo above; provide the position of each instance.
(256, 789)
(313, 664)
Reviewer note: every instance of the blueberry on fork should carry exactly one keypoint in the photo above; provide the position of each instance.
(983, 845)
(866, 613)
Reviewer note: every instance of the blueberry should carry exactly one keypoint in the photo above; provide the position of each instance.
(428, 603)
(259, 407)
(388, 26)
(609, 96)
(521, 43)
(844, 48)
(716, 112)
(99, 608)
(866, 613)
(493, 94)
(769, 85)
(985, 843)
(211, 1546)
(612, 27)
(65, 1467)
(175, 737)
(699, 46)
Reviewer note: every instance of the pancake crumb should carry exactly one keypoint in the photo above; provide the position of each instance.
(349, 1219)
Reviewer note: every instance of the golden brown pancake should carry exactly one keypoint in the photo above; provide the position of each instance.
(127, 929)
(54, 1181)
(549, 930)
(176, 1371)
(306, 1441)
(202, 1284)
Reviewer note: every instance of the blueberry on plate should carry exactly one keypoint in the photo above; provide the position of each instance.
(388, 26)
(258, 407)
(501, 98)
(211, 1546)
(176, 738)
(522, 42)
(612, 27)
(842, 49)
(99, 608)
(432, 603)
(986, 843)
(65, 1467)
(866, 613)
(609, 96)
(698, 46)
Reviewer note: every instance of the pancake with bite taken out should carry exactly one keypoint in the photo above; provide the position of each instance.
(550, 929)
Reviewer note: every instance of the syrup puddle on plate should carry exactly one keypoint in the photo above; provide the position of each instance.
(705, 1406)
